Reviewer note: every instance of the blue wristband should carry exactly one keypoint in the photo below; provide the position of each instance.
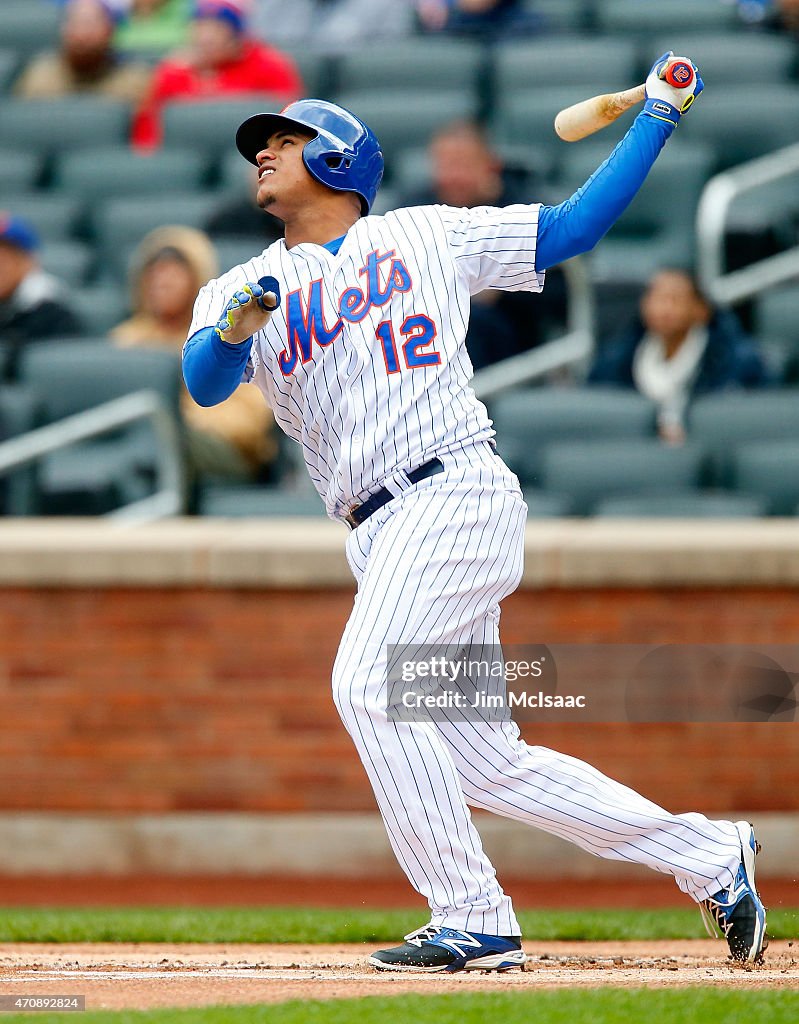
(662, 110)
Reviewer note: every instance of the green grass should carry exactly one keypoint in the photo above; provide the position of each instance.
(597, 1006)
(292, 924)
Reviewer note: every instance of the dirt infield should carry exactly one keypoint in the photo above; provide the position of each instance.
(143, 976)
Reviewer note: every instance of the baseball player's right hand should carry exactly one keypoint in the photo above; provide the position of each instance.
(667, 102)
(248, 311)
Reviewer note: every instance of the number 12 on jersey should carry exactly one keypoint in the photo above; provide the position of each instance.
(419, 333)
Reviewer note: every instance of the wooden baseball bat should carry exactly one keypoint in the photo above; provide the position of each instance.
(588, 116)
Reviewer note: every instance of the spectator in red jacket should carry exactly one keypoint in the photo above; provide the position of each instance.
(223, 60)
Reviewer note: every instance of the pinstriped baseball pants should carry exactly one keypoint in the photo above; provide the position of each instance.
(432, 567)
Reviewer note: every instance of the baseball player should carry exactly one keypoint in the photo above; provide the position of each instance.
(353, 328)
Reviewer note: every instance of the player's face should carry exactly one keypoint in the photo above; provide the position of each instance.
(284, 183)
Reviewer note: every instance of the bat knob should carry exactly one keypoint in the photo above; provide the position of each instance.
(680, 74)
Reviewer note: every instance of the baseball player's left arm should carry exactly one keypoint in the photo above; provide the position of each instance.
(215, 357)
(576, 225)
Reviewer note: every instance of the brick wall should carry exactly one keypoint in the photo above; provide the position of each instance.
(137, 700)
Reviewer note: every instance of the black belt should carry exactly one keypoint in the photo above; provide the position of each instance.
(360, 513)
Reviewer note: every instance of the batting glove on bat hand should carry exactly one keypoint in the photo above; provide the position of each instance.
(248, 311)
(671, 87)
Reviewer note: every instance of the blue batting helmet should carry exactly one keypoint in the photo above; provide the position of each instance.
(344, 153)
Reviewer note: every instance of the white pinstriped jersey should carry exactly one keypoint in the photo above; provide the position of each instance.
(364, 363)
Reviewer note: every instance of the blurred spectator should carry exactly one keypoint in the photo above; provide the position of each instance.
(33, 304)
(753, 11)
(678, 348)
(154, 26)
(467, 172)
(784, 17)
(332, 25)
(235, 439)
(779, 15)
(240, 216)
(86, 61)
(483, 17)
(222, 61)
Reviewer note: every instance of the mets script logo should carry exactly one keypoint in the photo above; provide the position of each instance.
(307, 323)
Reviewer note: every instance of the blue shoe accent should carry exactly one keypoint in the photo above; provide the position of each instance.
(738, 911)
(446, 949)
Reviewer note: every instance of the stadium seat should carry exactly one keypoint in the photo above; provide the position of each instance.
(254, 501)
(233, 250)
(599, 65)
(404, 119)
(696, 505)
(235, 174)
(26, 28)
(209, 126)
(18, 408)
(745, 121)
(413, 170)
(769, 468)
(529, 419)
(316, 70)
(19, 172)
(771, 209)
(776, 321)
(108, 171)
(68, 259)
(560, 15)
(616, 307)
(724, 421)
(590, 471)
(101, 307)
(526, 117)
(120, 224)
(387, 199)
(645, 18)
(54, 217)
(70, 376)
(427, 64)
(8, 68)
(546, 504)
(777, 313)
(721, 55)
(70, 123)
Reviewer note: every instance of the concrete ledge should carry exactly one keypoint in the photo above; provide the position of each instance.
(303, 554)
(333, 845)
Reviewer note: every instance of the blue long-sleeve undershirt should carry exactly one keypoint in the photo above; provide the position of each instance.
(213, 369)
(576, 225)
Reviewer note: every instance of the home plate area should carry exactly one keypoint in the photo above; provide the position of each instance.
(142, 976)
